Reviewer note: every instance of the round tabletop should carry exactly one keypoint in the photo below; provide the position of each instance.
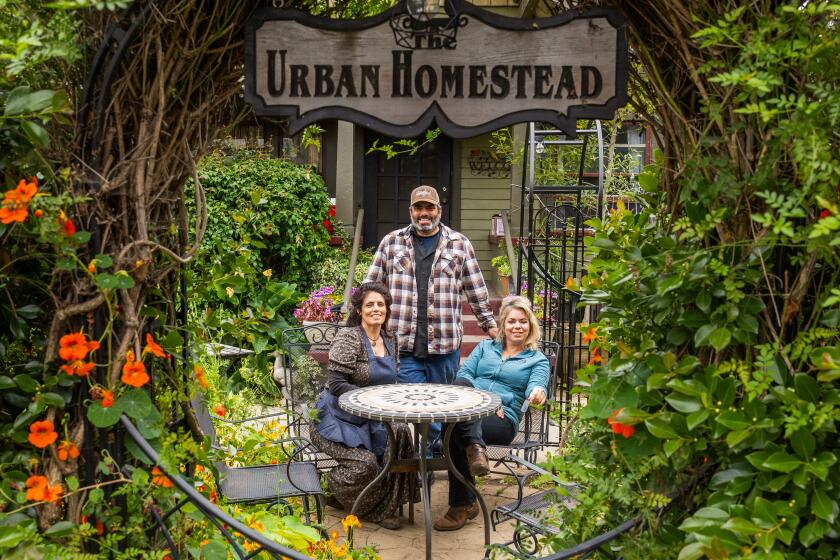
(420, 403)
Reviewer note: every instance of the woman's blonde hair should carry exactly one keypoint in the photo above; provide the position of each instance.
(519, 302)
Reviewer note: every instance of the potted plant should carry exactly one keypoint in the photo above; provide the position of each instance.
(318, 308)
(502, 267)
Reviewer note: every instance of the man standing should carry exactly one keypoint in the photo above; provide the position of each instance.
(427, 266)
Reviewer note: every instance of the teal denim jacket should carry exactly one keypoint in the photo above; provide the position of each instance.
(512, 379)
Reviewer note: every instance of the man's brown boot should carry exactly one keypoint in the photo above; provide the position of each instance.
(477, 460)
(456, 517)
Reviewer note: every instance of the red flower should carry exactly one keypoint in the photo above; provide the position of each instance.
(220, 410)
(69, 227)
(825, 213)
(134, 374)
(596, 356)
(42, 434)
(39, 213)
(625, 430)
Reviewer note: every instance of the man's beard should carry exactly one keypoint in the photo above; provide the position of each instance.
(426, 229)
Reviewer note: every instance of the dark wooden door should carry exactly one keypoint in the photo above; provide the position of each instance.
(388, 184)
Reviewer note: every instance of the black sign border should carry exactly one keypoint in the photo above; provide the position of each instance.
(435, 115)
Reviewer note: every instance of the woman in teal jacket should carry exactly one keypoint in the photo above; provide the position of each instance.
(513, 368)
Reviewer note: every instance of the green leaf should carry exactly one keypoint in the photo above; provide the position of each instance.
(813, 532)
(807, 388)
(660, 429)
(136, 403)
(11, 536)
(704, 301)
(214, 550)
(720, 338)
(702, 334)
(692, 551)
(782, 462)
(684, 404)
(671, 446)
(72, 483)
(803, 443)
(81, 237)
(28, 311)
(60, 529)
(52, 399)
(26, 383)
(104, 417)
(6, 382)
(741, 526)
(822, 506)
(737, 436)
(696, 418)
(733, 420)
(36, 134)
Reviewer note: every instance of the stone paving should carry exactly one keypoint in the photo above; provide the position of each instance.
(409, 542)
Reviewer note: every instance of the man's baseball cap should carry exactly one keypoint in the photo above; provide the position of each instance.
(424, 193)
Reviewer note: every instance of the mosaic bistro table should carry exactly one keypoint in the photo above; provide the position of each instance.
(421, 404)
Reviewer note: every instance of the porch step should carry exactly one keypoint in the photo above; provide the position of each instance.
(495, 304)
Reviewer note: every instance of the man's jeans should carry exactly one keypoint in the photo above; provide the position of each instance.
(440, 368)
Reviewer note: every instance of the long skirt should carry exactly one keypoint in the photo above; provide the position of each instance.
(357, 467)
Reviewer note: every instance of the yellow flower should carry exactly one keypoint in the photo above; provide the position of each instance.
(571, 283)
(349, 522)
(267, 273)
(229, 291)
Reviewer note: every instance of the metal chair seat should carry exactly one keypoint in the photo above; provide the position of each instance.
(257, 483)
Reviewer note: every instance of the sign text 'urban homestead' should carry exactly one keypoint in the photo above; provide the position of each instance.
(491, 72)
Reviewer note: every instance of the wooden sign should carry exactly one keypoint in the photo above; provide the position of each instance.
(479, 72)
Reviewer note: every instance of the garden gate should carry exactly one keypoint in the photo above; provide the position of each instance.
(565, 187)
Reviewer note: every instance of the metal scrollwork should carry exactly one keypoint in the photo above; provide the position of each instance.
(483, 162)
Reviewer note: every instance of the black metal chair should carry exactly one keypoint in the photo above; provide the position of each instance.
(300, 392)
(291, 477)
(530, 514)
(226, 524)
(534, 426)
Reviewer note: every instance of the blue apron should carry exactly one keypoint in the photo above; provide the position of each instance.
(342, 427)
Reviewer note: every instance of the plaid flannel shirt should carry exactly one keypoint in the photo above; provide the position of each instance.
(455, 270)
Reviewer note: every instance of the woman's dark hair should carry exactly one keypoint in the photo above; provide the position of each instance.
(354, 319)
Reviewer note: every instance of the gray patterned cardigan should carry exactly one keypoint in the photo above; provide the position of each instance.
(349, 367)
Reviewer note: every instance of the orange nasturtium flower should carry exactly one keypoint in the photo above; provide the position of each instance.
(36, 484)
(596, 357)
(220, 410)
(13, 208)
(39, 489)
(625, 430)
(160, 479)
(42, 434)
(76, 346)
(78, 367)
(67, 450)
(107, 398)
(153, 347)
(571, 284)
(134, 374)
(591, 334)
(201, 376)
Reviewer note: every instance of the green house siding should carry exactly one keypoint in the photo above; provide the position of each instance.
(480, 198)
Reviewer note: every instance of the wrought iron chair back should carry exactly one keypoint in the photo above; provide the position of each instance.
(300, 387)
(226, 524)
(291, 476)
(534, 426)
